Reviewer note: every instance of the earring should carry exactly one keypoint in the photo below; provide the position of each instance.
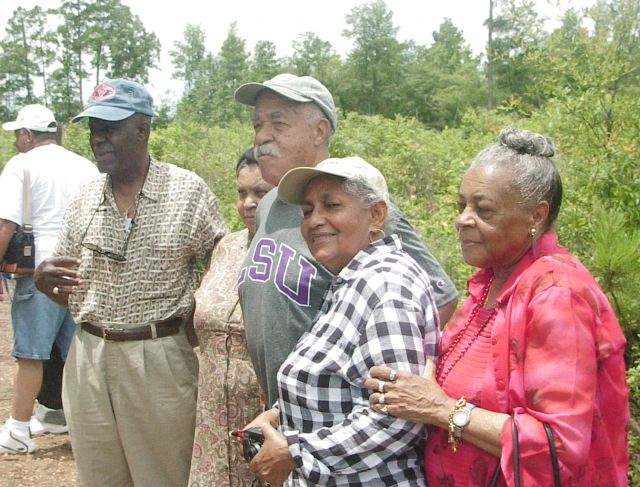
(534, 243)
(376, 231)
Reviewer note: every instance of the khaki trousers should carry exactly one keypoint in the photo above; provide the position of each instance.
(130, 407)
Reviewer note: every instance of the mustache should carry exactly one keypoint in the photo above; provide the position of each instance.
(266, 149)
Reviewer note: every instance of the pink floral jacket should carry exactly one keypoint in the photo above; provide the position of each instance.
(557, 356)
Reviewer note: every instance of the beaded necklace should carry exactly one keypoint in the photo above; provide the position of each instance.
(441, 371)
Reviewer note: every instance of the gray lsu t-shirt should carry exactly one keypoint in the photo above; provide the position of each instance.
(281, 285)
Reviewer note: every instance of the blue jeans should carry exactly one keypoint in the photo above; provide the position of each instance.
(38, 323)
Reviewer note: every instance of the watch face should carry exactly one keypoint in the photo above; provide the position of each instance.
(460, 417)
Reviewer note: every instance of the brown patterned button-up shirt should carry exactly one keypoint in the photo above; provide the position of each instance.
(176, 221)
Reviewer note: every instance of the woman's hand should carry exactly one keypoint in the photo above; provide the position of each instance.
(273, 463)
(270, 416)
(409, 396)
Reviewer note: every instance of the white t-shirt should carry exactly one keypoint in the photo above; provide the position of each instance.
(56, 176)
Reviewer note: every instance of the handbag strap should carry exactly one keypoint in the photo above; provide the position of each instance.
(516, 453)
(26, 201)
(516, 457)
(552, 451)
(496, 475)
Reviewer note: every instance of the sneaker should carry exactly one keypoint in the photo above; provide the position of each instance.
(48, 420)
(38, 427)
(48, 415)
(12, 442)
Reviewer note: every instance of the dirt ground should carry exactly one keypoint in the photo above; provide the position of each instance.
(52, 464)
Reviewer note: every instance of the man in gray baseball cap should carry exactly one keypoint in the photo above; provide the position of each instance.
(281, 285)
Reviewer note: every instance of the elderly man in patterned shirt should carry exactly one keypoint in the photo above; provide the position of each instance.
(126, 268)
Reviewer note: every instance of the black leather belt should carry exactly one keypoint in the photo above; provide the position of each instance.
(154, 330)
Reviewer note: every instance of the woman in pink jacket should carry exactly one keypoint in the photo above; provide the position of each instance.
(535, 343)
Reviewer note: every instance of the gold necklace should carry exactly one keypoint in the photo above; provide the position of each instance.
(126, 210)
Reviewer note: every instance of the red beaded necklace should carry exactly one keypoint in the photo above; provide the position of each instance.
(441, 371)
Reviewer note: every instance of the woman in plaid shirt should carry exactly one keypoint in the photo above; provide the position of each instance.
(379, 310)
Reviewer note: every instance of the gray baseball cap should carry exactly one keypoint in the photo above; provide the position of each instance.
(303, 89)
(117, 99)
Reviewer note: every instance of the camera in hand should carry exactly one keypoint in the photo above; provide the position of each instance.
(251, 442)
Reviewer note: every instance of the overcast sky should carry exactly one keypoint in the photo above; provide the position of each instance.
(280, 21)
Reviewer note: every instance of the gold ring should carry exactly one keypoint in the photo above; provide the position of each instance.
(381, 386)
(384, 409)
(392, 375)
(381, 399)
(55, 290)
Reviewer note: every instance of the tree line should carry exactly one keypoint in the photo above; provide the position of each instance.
(523, 66)
(93, 39)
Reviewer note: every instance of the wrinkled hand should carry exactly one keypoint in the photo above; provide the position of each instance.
(273, 463)
(57, 274)
(410, 396)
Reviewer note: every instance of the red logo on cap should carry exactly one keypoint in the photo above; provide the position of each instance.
(103, 91)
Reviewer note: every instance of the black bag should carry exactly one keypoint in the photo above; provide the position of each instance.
(20, 257)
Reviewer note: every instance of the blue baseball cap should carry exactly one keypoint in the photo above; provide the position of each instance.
(117, 99)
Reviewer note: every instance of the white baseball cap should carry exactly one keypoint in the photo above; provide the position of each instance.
(292, 185)
(34, 117)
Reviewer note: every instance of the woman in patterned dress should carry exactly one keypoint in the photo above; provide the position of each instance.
(228, 391)
(535, 342)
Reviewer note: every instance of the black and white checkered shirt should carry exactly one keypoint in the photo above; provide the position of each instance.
(378, 311)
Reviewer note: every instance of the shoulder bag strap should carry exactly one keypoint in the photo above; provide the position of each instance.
(516, 453)
(552, 451)
(496, 475)
(26, 201)
(516, 457)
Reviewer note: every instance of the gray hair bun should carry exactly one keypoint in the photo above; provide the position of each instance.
(526, 142)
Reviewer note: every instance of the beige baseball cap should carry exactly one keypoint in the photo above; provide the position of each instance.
(293, 183)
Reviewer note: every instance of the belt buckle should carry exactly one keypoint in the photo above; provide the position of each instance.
(106, 330)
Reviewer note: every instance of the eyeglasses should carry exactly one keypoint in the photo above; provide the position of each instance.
(119, 255)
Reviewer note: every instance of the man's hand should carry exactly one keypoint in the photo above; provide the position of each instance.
(56, 278)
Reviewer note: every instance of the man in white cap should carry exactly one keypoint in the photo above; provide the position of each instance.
(38, 323)
(126, 267)
(281, 285)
